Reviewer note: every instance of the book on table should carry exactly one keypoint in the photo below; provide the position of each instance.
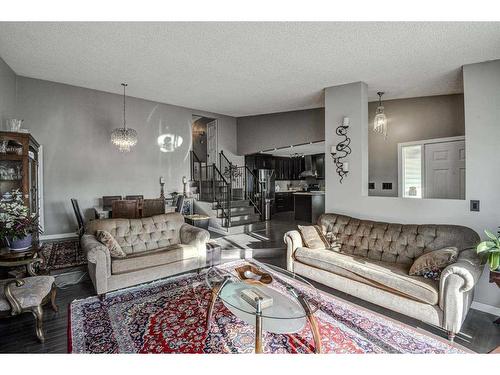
(251, 295)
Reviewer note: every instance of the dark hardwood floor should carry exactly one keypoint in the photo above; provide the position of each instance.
(17, 334)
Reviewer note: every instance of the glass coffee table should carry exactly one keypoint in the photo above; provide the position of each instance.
(291, 308)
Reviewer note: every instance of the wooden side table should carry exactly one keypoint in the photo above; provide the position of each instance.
(30, 259)
(495, 278)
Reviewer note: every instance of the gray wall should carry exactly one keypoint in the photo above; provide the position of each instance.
(7, 93)
(74, 124)
(408, 120)
(482, 131)
(263, 132)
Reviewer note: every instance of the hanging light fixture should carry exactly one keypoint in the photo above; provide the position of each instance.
(124, 138)
(380, 121)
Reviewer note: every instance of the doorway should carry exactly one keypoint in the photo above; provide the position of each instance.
(204, 138)
(433, 168)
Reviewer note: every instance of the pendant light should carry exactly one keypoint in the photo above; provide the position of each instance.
(380, 121)
(124, 138)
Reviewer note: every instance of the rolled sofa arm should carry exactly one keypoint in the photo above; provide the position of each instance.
(99, 262)
(293, 241)
(456, 288)
(197, 237)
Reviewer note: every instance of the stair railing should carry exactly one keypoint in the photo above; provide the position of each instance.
(241, 178)
(222, 195)
(253, 194)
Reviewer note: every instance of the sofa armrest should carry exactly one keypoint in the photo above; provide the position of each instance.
(99, 262)
(456, 288)
(293, 241)
(197, 237)
(468, 267)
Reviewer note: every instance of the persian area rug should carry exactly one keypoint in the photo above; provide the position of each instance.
(62, 254)
(169, 316)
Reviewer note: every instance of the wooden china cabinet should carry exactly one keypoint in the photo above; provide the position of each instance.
(19, 163)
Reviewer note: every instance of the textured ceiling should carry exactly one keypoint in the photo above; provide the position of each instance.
(249, 68)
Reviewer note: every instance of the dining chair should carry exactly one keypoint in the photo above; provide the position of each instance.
(179, 205)
(151, 207)
(79, 217)
(124, 209)
(107, 201)
(139, 199)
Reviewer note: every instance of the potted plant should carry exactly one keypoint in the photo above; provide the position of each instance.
(491, 248)
(17, 225)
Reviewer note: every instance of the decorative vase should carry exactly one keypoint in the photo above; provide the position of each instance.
(19, 244)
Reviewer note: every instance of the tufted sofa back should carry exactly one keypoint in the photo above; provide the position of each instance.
(138, 235)
(396, 243)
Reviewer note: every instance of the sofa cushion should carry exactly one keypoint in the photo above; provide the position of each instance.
(109, 241)
(385, 275)
(139, 235)
(434, 261)
(152, 258)
(397, 243)
(312, 237)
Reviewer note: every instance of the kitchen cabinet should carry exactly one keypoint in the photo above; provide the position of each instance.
(319, 165)
(285, 168)
(283, 201)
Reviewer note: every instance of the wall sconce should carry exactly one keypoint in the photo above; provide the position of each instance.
(341, 150)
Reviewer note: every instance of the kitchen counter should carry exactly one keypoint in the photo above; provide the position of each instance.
(309, 193)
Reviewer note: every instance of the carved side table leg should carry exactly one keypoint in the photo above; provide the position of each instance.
(258, 326)
(213, 298)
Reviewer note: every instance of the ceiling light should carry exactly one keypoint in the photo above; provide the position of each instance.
(380, 121)
(124, 138)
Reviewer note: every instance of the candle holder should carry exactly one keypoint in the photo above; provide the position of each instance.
(342, 150)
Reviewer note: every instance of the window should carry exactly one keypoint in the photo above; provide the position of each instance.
(412, 171)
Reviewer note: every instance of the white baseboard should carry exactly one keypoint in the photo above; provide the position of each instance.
(61, 236)
(486, 308)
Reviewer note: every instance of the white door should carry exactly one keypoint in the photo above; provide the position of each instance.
(212, 150)
(445, 170)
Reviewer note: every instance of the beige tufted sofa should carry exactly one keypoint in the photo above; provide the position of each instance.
(374, 261)
(156, 247)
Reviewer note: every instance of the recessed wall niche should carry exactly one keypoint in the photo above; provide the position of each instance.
(423, 153)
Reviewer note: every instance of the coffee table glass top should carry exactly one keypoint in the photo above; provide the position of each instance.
(287, 291)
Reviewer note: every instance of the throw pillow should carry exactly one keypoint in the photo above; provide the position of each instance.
(432, 263)
(115, 250)
(313, 237)
(332, 241)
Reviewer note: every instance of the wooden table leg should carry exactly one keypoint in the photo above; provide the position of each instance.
(213, 298)
(258, 326)
(310, 318)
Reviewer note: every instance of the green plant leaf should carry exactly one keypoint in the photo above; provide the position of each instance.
(494, 261)
(485, 246)
(490, 235)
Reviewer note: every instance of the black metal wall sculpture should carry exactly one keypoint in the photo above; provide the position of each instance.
(342, 149)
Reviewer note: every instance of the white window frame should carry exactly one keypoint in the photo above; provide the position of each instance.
(419, 143)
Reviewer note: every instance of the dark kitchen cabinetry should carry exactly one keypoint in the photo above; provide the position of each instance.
(289, 168)
(283, 201)
(319, 165)
(286, 168)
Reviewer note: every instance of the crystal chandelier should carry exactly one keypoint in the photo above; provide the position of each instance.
(380, 121)
(124, 138)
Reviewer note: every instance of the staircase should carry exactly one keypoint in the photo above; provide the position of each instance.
(228, 195)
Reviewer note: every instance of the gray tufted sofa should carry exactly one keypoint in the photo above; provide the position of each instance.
(374, 260)
(156, 247)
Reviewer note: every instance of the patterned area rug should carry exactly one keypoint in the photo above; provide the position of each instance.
(168, 316)
(63, 254)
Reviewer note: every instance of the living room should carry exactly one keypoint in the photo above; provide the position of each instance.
(175, 187)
